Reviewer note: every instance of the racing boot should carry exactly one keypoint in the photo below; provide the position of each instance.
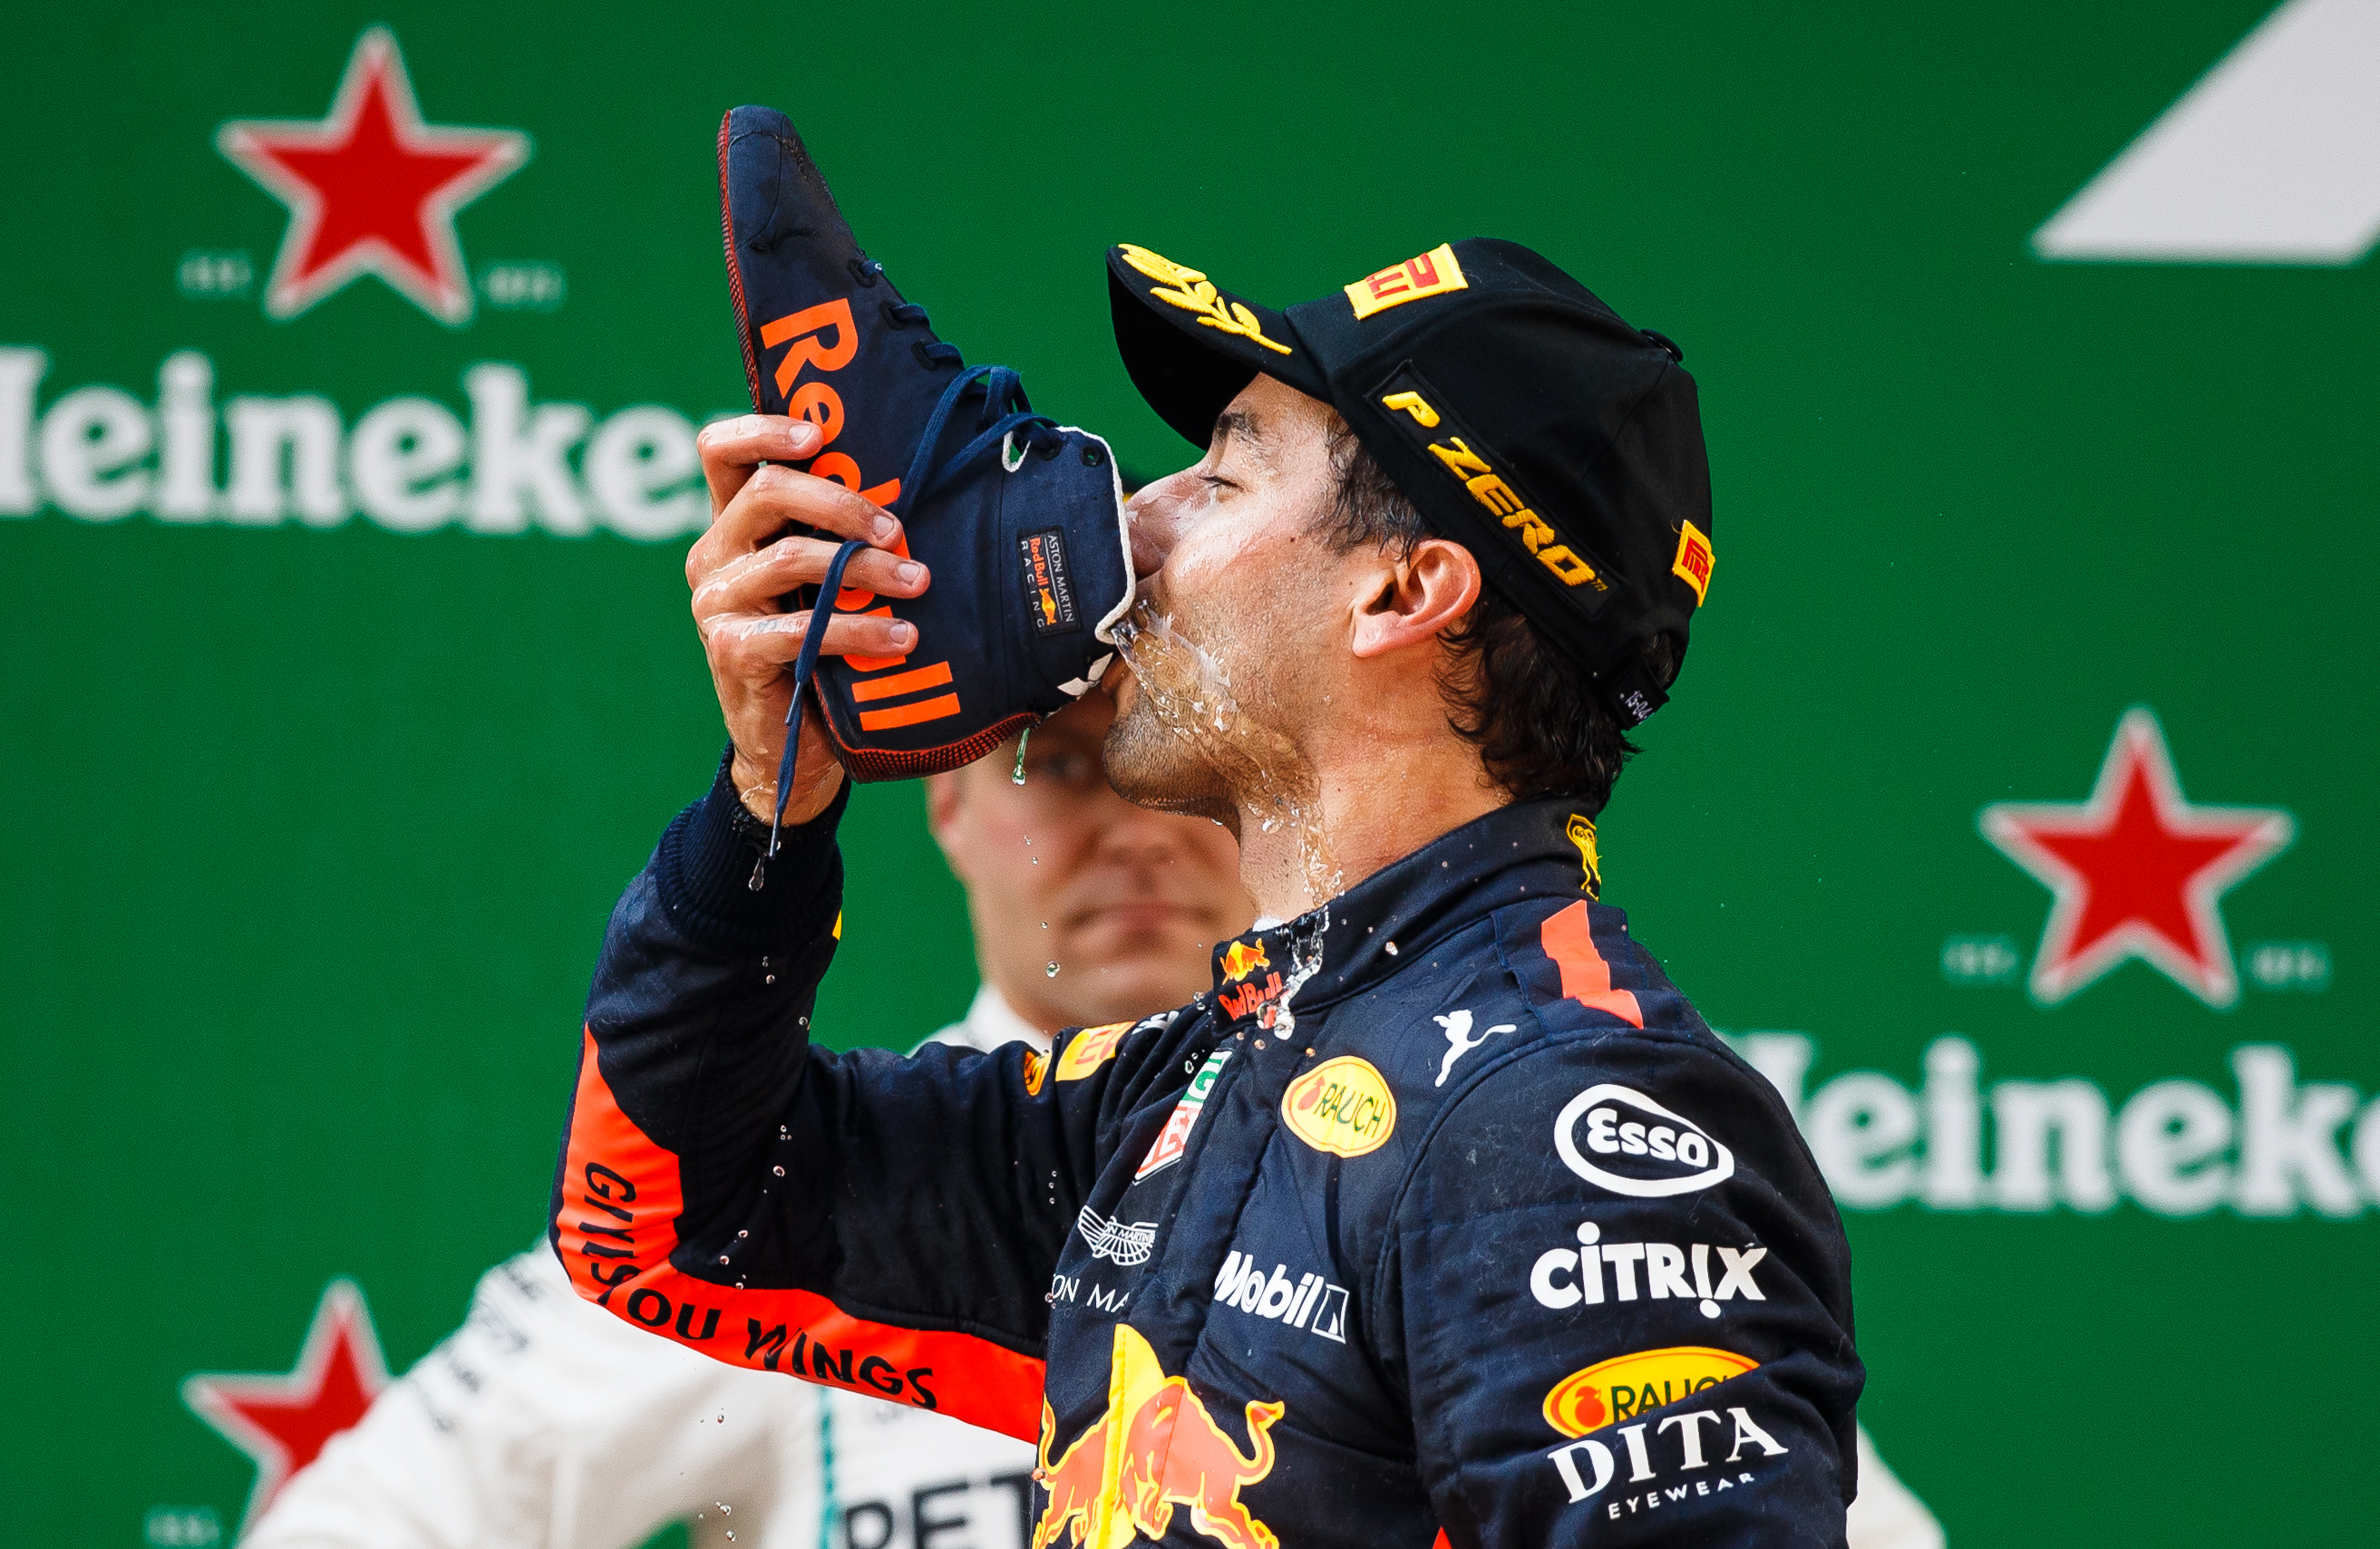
(1020, 520)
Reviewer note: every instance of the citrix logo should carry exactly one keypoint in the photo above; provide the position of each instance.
(1566, 1277)
(1689, 1426)
(1310, 1301)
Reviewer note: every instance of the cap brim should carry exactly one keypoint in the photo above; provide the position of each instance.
(1191, 348)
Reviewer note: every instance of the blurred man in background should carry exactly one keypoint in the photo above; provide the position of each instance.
(544, 1421)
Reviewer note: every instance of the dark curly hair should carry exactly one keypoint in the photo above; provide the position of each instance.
(1540, 728)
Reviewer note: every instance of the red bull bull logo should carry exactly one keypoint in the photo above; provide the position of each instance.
(1155, 1448)
(1242, 958)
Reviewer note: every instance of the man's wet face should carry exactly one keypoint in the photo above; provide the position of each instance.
(1236, 609)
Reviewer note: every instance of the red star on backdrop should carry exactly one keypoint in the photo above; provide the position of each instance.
(282, 1422)
(2137, 871)
(371, 190)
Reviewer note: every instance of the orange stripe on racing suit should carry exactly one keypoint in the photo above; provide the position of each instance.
(618, 1226)
(1586, 977)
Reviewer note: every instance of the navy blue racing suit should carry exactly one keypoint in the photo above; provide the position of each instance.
(1443, 1214)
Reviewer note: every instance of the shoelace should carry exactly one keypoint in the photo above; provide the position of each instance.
(1000, 385)
(805, 664)
(1000, 388)
(1003, 390)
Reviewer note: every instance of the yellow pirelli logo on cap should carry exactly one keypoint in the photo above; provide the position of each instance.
(1488, 488)
(1694, 562)
(1434, 273)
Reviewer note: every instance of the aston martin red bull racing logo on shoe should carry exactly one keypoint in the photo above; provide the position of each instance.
(1155, 1448)
(1046, 584)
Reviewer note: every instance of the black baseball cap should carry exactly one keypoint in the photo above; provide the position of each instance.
(1522, 417)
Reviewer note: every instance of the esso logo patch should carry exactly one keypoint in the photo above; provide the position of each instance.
(1622, 1140)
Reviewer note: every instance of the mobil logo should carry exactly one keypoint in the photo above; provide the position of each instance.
(1618, 1139)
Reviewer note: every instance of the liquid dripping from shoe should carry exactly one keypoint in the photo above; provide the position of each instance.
(1304, 962)
(1190, 694)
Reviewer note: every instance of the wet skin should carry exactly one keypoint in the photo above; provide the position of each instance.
(1333, 658)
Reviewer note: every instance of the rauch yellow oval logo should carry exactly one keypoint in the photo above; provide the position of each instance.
(1629, 1384)
(1342, 1106)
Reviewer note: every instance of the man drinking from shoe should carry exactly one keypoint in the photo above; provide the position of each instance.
(1443, 1212)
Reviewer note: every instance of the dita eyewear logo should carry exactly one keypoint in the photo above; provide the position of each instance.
(371, 188)
(2136, 870)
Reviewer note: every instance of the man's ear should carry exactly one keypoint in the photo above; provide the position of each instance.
(1421, 596)
(943, 800)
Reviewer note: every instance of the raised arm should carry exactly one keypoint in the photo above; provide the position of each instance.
(879, 1224)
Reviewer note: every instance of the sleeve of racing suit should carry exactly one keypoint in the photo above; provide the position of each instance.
(880, 1223)
(1657, 1353)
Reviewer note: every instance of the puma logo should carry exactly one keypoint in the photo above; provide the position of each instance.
(1459, 1040)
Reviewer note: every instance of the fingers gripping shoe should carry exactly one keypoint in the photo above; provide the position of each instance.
(1019, 520)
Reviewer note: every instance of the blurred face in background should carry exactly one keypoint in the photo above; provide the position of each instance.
(1125, 902)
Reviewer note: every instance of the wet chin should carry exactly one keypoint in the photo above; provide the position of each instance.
(1154, 767)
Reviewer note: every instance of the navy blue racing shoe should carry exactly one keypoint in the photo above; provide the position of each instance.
(1019, 519)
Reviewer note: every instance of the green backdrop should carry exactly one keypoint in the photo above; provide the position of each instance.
(313, 824)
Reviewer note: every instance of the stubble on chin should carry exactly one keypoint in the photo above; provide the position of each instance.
(1153, 766)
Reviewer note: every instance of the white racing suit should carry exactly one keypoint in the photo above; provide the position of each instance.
(546, 1422)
